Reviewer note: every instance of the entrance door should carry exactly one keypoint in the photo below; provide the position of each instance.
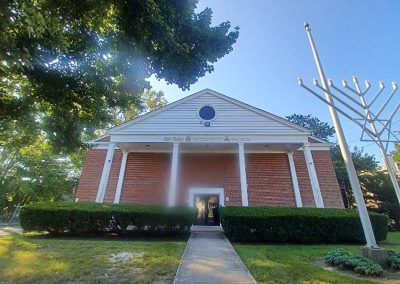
(206, 199)
(207, 207)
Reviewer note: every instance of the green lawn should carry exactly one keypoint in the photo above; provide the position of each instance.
(31, 258)
(294, 263)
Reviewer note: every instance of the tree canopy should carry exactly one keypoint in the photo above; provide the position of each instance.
(66, 65)
(317, 127)
(30, 170)
(374, 181)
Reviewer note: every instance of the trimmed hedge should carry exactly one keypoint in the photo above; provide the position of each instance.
(299, 225)
(94, 218)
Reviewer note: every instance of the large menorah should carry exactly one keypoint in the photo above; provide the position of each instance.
(367, 116)
(362, 115)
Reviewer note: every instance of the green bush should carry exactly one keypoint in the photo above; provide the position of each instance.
(301, 225)
(362, 265)
(394, 259)
(94, 218)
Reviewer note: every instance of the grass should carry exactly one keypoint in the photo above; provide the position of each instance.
(294, 263)
(32, 258)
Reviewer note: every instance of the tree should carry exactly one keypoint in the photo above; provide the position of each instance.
(30, 170)
(380, 196)
(67, 64)
(317, 128)
(396, 152)
(375, 183)
(34, 173)
(149, 101)
(362, 163)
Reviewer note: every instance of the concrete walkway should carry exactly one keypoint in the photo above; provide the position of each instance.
(210, 258)
(5, 229)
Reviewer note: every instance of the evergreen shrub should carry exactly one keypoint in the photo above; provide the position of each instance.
(79, 218)
(298, 225)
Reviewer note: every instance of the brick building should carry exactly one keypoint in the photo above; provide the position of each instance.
(208, 148)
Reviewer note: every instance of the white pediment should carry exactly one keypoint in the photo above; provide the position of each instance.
(232, 118)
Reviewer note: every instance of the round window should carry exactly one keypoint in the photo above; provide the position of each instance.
(207, 113)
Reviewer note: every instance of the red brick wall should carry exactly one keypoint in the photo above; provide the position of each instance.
(268, 176)
(327, 179)
(91, 174)
(113, 177)
(269, 182)
(303, 179)
(146, 178)
(209, 170)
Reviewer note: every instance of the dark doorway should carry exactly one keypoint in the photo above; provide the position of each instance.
(207, 206)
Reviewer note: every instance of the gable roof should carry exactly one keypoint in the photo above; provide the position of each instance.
(294, 127)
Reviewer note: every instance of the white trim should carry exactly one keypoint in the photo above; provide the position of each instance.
(219, 95)
(211, 138)
(121, 176)
(319, 140)
(208, 190)
(321, 146)
(295, 182)
(101, 191)
(243, 177)
(211, 151)
(174, 175)
(203, 120)
(319, 203)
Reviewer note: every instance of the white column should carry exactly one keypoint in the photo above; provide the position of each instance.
(174, 174)
(243, 177)
(105, 174)
(296, 188)
(319, 203)
(121, 176)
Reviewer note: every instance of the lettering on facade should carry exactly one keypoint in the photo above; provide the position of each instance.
(215, 139)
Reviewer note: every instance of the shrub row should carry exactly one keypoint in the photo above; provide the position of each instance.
(362, 265)
(301, 225)
(394, 259)
(93, 218)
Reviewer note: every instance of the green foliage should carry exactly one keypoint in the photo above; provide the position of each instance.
(68, 64)
(299, 225)
(92, 218)
(362, 161)
(30, 171)
(317, 128)
(362, 265)
(30, 168)
(396, 152)
(394, 259)
(376, 185)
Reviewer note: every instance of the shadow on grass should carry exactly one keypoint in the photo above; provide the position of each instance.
(105, 237)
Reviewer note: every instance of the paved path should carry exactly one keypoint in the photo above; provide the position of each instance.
(210, 258)
(6, 230)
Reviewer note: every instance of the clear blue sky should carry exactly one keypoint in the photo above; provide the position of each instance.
(360, 37)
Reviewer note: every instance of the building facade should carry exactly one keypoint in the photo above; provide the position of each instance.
(213, 149)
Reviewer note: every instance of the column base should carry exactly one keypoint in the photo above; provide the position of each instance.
(378, 255)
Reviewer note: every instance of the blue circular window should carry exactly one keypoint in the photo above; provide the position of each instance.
(207, 113)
